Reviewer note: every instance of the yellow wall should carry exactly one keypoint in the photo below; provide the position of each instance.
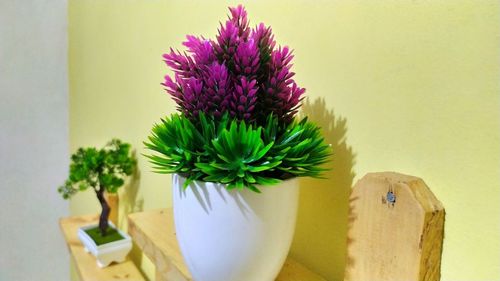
(410, 86)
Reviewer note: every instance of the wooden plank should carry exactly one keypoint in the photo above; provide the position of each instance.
(86, 263)
(394, 240)
(154, 233)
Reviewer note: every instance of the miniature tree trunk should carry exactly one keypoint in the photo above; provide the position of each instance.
(103, 219)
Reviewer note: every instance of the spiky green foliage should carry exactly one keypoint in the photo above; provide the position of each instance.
(178, 143)
(235, 153)
(239, 156)
(304, 148)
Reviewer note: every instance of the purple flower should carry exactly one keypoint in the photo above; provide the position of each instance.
(218, 89)
(280, 94)
(264, 39)
(246, 59)
(243, 99)
(173, 89)
(241, 72)
(180, 64)
(202, 50)
(239, 19)
(193, 99)
(227, 42)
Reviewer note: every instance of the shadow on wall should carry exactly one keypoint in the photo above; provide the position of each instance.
(130, 203)
(321, 233)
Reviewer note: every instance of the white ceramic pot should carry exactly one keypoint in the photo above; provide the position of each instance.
(110, 252)
(236, 235)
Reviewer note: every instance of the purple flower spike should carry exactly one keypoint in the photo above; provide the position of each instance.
(193, 100)
(202, 50)
(241, 73)
(246, 59)
(227, 42)
(243, 99)
(279, 94)
(217, 89)
(173, 88)
(264, 38)
(239, 19)
(181, 64)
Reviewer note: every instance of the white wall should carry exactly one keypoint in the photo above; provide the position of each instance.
(33, 139)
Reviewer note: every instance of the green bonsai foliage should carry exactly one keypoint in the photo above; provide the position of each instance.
(232, 152)
(102, 170)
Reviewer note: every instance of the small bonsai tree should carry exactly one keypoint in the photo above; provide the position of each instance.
(101, 169)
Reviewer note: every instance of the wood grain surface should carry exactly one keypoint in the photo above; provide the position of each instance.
(396, 228)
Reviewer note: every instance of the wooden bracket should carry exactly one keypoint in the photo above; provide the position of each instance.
(396, 228)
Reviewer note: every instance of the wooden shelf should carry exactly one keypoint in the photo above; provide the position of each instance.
(86, 263)
(153, 232)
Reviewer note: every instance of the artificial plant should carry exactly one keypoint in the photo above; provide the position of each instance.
(237, 102)
(103, 170)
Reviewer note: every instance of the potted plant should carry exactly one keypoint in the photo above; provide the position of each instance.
(236, 150)
(103, 170)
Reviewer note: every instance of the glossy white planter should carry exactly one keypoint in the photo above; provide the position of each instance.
(110, 252)
(236, 235)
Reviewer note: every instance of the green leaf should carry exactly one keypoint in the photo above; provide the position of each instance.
(267, 180)
(253, 188)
